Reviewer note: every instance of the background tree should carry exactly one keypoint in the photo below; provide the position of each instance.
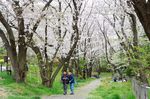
(142, 9)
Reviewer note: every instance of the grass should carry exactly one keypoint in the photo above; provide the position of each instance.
(112, 90)
(32, 89)
(81, 82)
(149, 94)
(21, 90)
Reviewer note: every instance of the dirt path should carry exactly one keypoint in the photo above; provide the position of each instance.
(82, 93)
(2, 92)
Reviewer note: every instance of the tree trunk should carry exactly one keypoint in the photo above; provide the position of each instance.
(142, 9)
(19, 68)
(22, 49)
(17, 60)
(71, 65)
(76, 68)
(89, 73)
(49, 83)
(84, 73)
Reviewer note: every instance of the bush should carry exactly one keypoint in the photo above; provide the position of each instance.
(129, 72)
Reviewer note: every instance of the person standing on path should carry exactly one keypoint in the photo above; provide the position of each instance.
(71, 82)
(65, 81)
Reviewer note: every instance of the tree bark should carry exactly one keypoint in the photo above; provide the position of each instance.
(18, 60)
(142, 9)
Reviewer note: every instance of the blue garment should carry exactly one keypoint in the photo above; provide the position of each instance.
(65, 79)
(71, 79)
(72, 88)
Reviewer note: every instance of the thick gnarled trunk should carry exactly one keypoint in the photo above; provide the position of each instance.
(17, 58)
(142, 9)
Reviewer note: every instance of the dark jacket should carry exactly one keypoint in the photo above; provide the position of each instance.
(65, 79)
(71, 79)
